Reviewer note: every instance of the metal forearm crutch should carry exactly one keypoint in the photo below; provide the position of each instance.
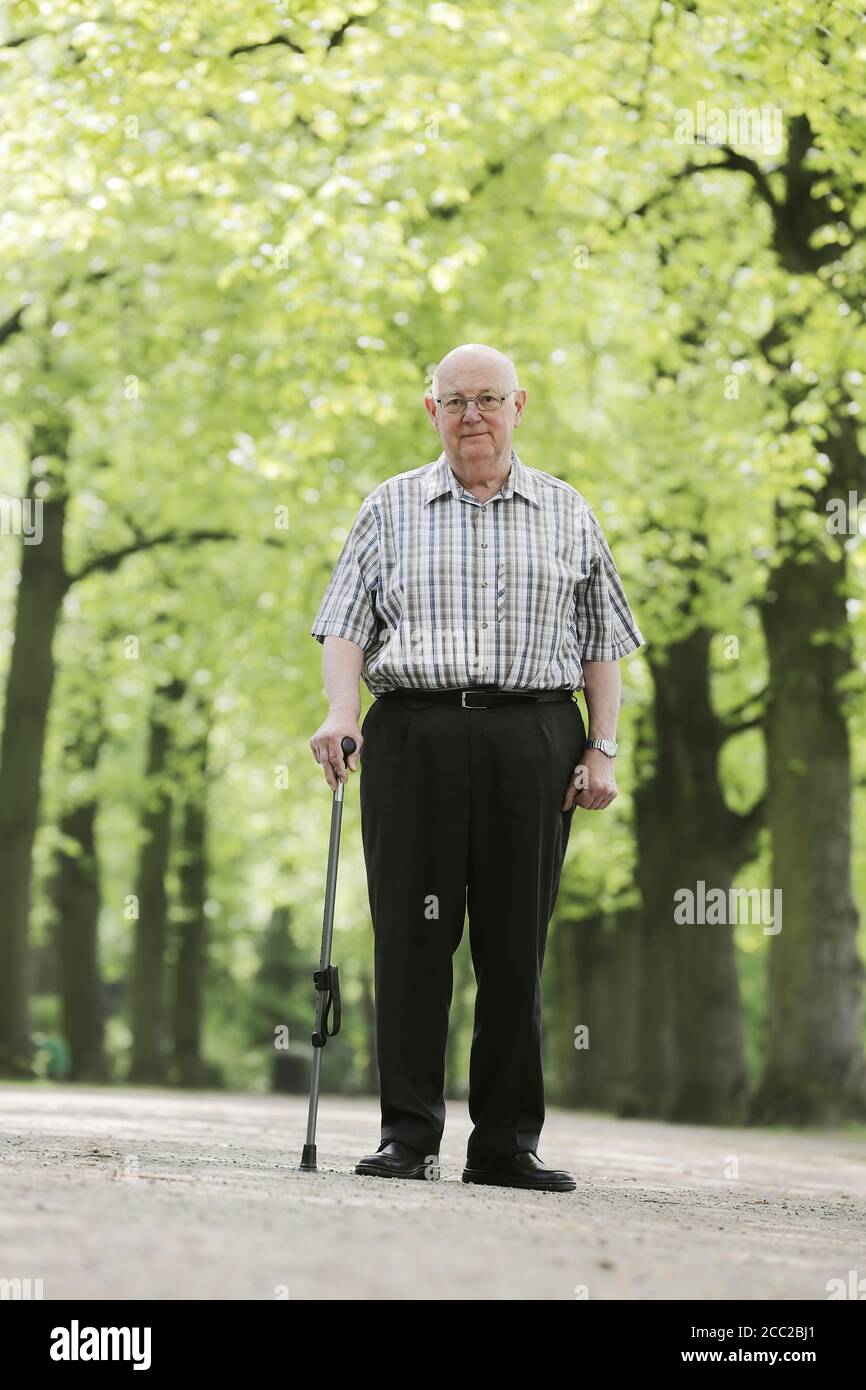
(326, 978)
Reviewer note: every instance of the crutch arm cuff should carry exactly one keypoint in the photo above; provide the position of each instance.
(327, 982)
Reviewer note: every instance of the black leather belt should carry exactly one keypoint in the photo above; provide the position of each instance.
(478, 697)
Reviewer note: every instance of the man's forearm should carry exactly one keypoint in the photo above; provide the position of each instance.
(342, 661)
(603, 687)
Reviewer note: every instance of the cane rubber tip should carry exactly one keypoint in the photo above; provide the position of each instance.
(308, 1159)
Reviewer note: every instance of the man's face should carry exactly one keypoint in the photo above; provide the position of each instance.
(476, 437)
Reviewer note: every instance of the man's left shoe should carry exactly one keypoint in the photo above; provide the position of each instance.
(395, 1159)
(523, 1170)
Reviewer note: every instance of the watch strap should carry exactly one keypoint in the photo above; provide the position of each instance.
(600, 742)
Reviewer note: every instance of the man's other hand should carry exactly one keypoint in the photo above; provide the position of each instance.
(593, 784)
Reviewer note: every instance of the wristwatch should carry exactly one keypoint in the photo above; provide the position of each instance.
(607, 745)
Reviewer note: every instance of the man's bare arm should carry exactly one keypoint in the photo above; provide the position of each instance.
(593, 784)
(342, 661)
(603, 690)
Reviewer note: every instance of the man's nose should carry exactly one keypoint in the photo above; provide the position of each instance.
(472, 413)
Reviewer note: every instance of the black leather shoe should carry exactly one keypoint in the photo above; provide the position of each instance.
(398, 1160)
(523, 1170)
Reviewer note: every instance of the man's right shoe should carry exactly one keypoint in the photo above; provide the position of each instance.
(398, 1160)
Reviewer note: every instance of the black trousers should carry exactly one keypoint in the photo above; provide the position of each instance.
(460, 811)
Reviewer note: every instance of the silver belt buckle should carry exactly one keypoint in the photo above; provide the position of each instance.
(463, 695)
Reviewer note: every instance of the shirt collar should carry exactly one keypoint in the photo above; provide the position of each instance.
(442, 479)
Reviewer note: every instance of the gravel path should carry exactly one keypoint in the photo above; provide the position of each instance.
(146, 1193)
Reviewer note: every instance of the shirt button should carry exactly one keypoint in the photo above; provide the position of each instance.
(483, 624)
(483, 545)
(484, 583)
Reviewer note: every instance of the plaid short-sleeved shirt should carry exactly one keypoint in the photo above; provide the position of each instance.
(443, 591)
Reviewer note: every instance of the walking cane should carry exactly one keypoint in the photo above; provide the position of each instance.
(326, 978)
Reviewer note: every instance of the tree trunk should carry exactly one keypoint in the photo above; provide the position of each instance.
(691, 1046)
(621, 1036)
(656, 1033)
(814, 1067)
(28, 695)
(77, 900)
(814, 1070)
(148, 977)
(192, 944)
(595, 986)
(284, 998)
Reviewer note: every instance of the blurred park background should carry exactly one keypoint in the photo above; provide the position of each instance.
(234, 241)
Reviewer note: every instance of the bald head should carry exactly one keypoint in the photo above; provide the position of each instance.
(477, 439)
(474, 358)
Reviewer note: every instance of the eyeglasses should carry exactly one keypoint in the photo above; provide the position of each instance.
(487, 401)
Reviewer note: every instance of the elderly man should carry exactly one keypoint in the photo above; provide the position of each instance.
(475, 595)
